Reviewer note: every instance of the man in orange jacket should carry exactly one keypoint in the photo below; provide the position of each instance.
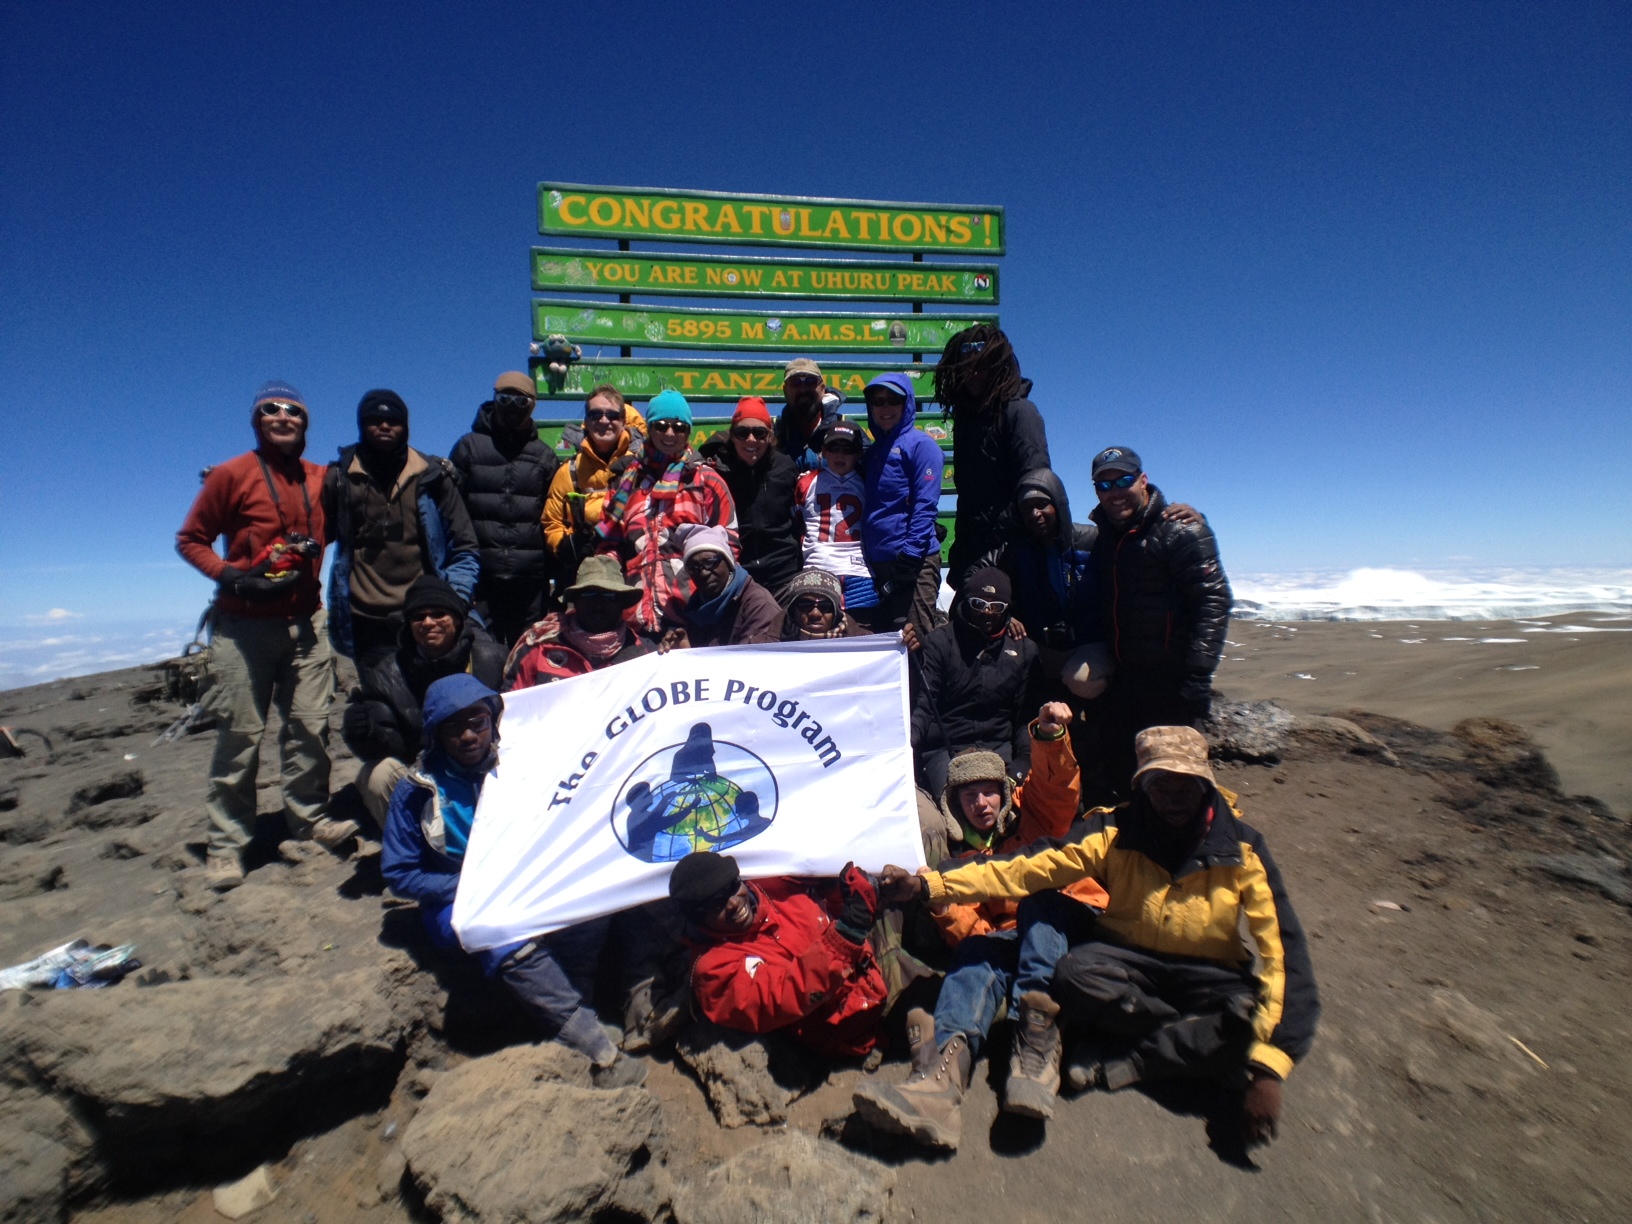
(1003, 951)
(269, 638)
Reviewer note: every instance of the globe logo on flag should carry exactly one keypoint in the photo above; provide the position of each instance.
(704, 794)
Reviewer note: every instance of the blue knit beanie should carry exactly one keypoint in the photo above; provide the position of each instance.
(669, 405)
(276, 389)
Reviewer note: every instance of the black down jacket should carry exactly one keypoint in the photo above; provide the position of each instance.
(1165, 598)
(990, 453)
(383, 717)
(503, 478)
(985, 690)
(763, 495)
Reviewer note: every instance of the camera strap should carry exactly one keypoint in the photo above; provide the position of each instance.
(277, 502)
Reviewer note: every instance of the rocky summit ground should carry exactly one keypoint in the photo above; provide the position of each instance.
(293, 1049)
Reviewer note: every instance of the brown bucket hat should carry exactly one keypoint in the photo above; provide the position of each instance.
(602, 574)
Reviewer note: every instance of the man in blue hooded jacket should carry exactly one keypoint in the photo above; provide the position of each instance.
(426, 832)
(902, 480)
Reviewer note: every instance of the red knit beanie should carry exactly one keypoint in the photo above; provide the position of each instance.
(751, 408)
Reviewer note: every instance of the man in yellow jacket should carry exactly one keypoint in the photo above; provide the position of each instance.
(1167, 988)
(613, 433)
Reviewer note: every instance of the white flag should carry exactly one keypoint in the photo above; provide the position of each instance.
(794, 758)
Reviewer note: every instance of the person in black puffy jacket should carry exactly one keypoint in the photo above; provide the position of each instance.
(504, 471)
(997, 437)
(980, 685)
(1165, 604)
(383, 718)
(761, 479)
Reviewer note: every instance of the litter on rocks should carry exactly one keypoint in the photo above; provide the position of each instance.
(73, 966)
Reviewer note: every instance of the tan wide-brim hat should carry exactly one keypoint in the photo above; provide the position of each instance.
(602, 574)
(1180, 750)
(1087, 670)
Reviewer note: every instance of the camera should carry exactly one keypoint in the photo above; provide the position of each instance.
(1058, 636)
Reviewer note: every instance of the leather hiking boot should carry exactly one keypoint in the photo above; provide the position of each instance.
(333, 834)
(1034, 1066)
(928, 1107)
(223, 870)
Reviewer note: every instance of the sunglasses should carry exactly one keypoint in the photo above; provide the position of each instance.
(478, 722)
(679, 427)
(1125, 481)
(974, 346)
(709, 560)
(429, 614)
(743, 432)
(806, 604)
(842, 448)
(995, 606)
(278, 408)
(506, 399)
(604, 414)
(802, 380)
(886, 400)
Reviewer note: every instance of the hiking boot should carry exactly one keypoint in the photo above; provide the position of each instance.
(223, 870)
(928, 1107)
(1034, 1066)
(623, 1072)
(332, 834)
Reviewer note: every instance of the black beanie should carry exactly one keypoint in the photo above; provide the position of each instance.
(989, 583)
(429, 591)
(381, 404)
(704, 880)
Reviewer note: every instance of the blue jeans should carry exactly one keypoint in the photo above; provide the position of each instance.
(559, 977)
(988, 968)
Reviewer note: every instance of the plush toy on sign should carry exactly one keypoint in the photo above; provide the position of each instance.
(560, 353)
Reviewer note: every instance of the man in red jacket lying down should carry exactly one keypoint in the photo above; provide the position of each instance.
(784, 953)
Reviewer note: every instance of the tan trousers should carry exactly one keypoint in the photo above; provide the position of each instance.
(255, 662)
(376, 780)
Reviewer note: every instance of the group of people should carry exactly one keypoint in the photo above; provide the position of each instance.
(1090, 874)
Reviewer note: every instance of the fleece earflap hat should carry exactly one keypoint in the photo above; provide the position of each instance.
(976, 765)
(989, 583)
(1180, 750)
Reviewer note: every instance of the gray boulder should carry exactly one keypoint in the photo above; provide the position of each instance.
(45, 1158)
(153, 1067)
(522, 1137)
(735, 1072)
(794, 1179)
(1264, 732)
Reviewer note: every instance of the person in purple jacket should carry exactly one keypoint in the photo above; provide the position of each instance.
(902, 478)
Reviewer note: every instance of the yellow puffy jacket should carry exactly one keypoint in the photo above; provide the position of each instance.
(1196, 911)
(586, 474)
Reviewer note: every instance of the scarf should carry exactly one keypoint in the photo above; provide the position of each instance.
(712, 612)
(665, 477)
(596, 647)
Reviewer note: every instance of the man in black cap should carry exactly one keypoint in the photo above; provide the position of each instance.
(381, 723)
(504, 472)
(784, 954)
(394, 514)
(1164, 603)
(980, 683)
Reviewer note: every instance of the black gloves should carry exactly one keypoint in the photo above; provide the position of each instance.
(370, 730)
(860, 907)
(253, 585)
(1196, 692)
(904, 574)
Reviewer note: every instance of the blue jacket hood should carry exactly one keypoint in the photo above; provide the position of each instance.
(903, 384)
(447, 696)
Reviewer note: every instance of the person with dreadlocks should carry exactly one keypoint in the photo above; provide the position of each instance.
(669, 487)
(997, 437)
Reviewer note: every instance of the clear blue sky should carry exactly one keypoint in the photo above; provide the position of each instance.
(1356, 279)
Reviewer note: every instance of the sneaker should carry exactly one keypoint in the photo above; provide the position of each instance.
(928, 1107)
(223, 870)
(333, 834)
(1034, 1066)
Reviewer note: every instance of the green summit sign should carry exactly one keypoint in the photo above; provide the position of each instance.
(749, 277)
(654, 213)
(595, 323)
(640, 378)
